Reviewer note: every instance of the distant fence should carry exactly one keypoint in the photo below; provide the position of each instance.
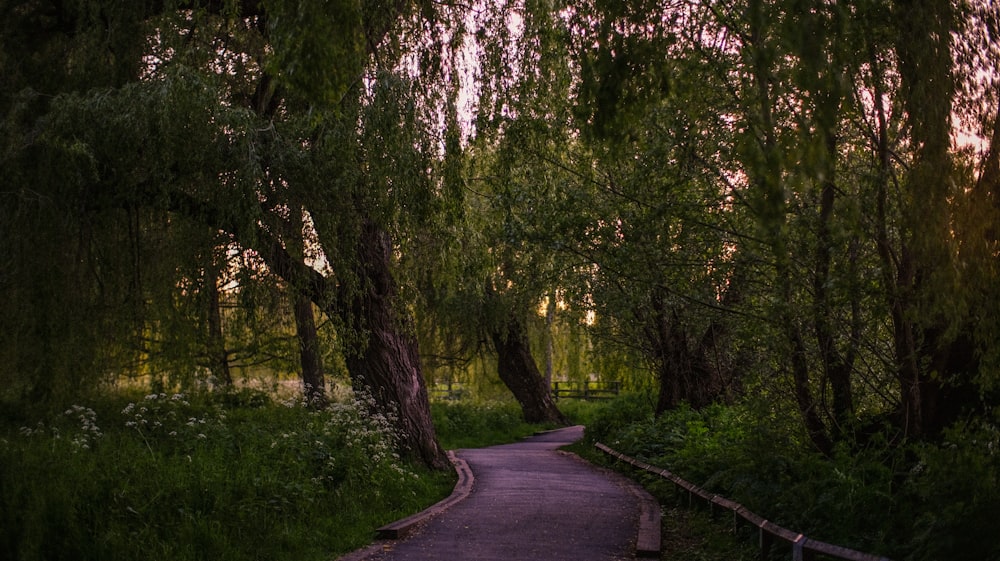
(803, 548)
(450, 391)
(585, 390)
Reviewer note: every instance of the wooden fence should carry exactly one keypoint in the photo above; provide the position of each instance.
(585, 390)
(803, 548)
(450, 391)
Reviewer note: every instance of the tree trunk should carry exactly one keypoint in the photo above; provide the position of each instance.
(550, 314)
(310, 357)
(837, 365)
(934, 380)
(767, 179)
(387, 365)
(672, 357)
(685, 368)
(518, 371)
(218, 355)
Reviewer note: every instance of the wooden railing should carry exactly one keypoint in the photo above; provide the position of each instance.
(450, 391)
(803, 548)
(585, 390)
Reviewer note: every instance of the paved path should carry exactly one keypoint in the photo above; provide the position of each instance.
(528, 502)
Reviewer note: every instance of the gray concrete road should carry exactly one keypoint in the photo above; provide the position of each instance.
(528, 502)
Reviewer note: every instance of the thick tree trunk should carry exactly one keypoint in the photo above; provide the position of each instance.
(672, 357)
(518, 371)
(310, 357)
(935, 369)
(689, 369)
(387, 365)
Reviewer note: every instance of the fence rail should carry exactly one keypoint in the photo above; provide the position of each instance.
(585, 390)
(450, 391)
(803, 548)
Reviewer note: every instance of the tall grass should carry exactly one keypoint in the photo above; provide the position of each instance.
(178, 478)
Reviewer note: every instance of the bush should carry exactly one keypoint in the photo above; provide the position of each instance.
(617, 414)
(918, 501)
(958, 485)
(467, 424)
(169, 477)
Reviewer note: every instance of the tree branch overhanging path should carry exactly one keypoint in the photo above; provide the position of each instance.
(757, 201)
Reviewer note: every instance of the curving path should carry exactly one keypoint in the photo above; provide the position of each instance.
(530, 502)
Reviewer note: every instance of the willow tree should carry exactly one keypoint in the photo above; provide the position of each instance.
(737, 137)
(658, 221)
(490, 279)
(876, 245)
(239, 116)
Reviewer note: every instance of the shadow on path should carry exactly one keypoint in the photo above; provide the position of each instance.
(528, 502)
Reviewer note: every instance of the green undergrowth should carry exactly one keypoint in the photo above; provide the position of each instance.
(471, 424)
(175, 477)
(476, 424)
(919, 501)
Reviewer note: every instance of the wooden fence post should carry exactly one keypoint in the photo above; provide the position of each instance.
(766, 542)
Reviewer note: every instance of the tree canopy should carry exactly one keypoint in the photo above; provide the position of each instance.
(786, 200)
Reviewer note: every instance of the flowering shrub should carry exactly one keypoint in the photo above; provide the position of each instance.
(162, 416)
(171, 476)
(82, 431)
(347, 443)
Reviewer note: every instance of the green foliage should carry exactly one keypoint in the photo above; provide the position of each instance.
(581, 411)
(318, 47)
(957, 485)
(623, 411)
(178, 477)
(918, 501)
(465, 424)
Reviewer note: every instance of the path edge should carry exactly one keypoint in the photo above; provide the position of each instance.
(406, 526)
(648, 542)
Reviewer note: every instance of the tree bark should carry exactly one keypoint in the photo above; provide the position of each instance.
(685, 368)
(310, 357)
(518, 371)
(217, 353)
(387, 365)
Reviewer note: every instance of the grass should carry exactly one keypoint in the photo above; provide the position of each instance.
(470, 424)
(175, 477)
